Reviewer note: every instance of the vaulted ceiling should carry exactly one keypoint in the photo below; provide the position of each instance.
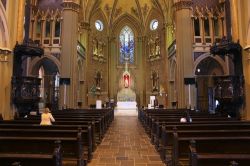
(138, 9)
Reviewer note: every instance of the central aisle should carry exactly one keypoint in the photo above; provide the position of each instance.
(126, 144)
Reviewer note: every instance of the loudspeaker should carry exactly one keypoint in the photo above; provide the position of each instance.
(189, 81)
(64, 81)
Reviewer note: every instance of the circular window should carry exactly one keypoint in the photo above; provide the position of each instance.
(154, 24)
(99, 25)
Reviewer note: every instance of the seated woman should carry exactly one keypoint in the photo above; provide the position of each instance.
(46, 117)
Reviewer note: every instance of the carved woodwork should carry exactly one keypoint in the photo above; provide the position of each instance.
(25, 90)
(229, 89)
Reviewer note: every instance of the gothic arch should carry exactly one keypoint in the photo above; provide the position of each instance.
(128, 20)
(98, 14)
(216, 58)
(4, 32)
(154, 14)
(35, 63)
(131, 22)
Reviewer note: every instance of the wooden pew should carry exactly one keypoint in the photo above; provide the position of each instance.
(158, 131)
(71, 147)
(167, 141)
(97, 128)
(86, 139)
(156, 125)
(219, 151)
(101, 127)
(26, 158)
(181, 141)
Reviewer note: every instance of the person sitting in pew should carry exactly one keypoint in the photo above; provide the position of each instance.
(183, 120)
(46, 117)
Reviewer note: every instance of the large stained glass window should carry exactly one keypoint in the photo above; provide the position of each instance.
(127, 45)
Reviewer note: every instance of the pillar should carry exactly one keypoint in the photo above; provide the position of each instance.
(184, 39)
(68, 93)
(243, 20)
(234, 20)
(84, 37)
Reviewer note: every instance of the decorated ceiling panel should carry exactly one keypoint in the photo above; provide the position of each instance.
(115, 9)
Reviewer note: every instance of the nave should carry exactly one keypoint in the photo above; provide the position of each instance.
(126, 144)
(96, 137)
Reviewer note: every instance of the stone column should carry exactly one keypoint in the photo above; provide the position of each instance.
(234, 20)
(243, 8)
(84, 37)
(184, 59)
(68, 94)
(21, 11)
(141, 67)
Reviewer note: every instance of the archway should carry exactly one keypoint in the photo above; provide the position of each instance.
(48, 71)
(205, 71)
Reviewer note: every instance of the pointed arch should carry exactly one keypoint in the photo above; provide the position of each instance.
(129, 20)
(209, 66)
(216, 58)
(98, 14)
(35, 63)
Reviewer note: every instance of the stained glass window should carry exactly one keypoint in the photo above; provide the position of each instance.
(127, 45)
(99, 25)
(154, 24)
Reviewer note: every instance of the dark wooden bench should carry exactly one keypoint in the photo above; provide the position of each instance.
(155, 129)
(218, 151)
(86, 139)
(161, 132)
(25, 158)
(180, 149)
(96, 125)
(99, 121)
(71, 147)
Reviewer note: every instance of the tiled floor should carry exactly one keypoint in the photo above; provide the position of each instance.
(126, 144)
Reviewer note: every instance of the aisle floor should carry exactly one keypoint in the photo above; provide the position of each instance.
(126, 144)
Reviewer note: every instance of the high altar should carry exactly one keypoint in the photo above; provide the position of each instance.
(126, 96)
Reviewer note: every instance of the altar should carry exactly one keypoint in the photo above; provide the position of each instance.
(126, 108)
(126, 103)
(126, 96)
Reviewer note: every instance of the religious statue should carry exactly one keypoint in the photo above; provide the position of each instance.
(100, 49)
(98, 79)
(154, 47)
(154, 78)
(157, 46)
(126, 80)
(151, 47)
(95, 47)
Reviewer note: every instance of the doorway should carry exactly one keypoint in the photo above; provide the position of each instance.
(48, 71)
(205, 72)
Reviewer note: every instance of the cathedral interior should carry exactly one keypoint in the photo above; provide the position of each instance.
(69, 53)
(124, 82)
